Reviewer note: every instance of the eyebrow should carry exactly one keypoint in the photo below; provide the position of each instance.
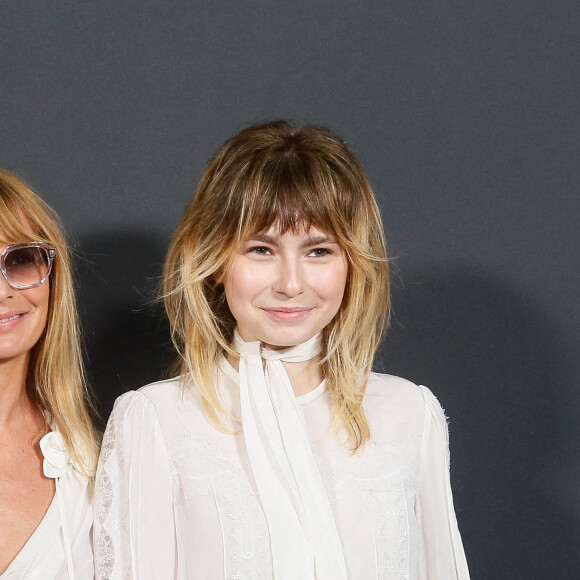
(309, 243)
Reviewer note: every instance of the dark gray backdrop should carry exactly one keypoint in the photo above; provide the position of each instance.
(465, 115)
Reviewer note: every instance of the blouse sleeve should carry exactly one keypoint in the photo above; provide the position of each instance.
(134, 531)
(440, 551)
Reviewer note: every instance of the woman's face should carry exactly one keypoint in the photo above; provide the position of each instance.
(282, 289)
(23, 315)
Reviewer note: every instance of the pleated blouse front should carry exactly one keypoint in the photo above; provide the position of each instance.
(176, 498)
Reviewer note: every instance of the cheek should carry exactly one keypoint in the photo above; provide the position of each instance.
(337, 292)
(45, 308)
(241, 284)
(41, 300)
(333, 284)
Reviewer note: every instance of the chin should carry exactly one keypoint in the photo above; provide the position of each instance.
(287, 338)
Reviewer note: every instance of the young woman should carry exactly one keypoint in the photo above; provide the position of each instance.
(48, 449)
(276, 453)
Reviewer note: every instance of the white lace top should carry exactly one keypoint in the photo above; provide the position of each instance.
(176, 499)
(60, 547)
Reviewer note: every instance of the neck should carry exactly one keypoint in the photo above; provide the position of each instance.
(304, 376)
(301, 362)
(15, 405)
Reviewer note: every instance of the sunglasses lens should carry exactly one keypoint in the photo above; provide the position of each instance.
(26, 266)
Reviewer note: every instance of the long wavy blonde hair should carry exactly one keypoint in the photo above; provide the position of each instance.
(55, 382)
(291, 176)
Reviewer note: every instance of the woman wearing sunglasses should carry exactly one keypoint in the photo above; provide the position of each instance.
(276, 453)
(47, 441)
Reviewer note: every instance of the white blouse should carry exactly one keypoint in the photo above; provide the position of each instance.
(176, 499)
(60, 547)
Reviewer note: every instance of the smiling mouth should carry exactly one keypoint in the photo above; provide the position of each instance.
(285, 313)
(10, 318)
(287, 308)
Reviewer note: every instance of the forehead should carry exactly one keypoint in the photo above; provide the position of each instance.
(303, 231)
(16, 227)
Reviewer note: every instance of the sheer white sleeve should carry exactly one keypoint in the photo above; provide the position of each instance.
(134, 530)
(440, 550)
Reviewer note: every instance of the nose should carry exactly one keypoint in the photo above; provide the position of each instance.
(6, 291)
(290, 278)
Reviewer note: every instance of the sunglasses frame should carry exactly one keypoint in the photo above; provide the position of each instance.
(50, 253)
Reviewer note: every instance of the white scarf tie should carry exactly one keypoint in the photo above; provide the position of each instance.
(304, 541)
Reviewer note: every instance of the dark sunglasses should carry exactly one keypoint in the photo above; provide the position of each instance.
(27, 265)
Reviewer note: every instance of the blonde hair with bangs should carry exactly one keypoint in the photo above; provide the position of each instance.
(293, 177)
(55, 382)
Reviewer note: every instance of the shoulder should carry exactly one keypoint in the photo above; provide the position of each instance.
(162, 392)
(391, 390)
(383, 384)
(168, 404)
(58, 462)
(136, 420)
(401, 400)
(158, 394)
(392, 387)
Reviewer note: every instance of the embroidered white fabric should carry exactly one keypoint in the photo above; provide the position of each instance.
(176, 498)
(44, 556)
(304, 540)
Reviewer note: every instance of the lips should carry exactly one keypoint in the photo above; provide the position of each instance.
(287, 308)
(287, 313)
(10, 318)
